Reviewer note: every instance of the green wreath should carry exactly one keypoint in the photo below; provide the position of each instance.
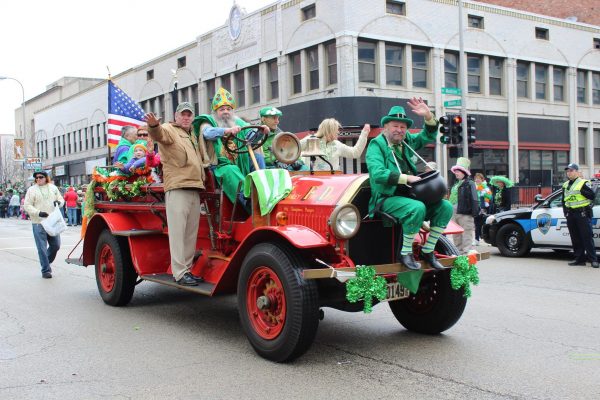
(464, 274)
(366, 286)
(117, 189)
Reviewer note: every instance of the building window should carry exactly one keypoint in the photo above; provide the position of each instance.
(69, 141)
(451, 69)
(150, 75)
(541, 81)
(296, 73)
(367, 56)
(312, 56)
(254, 84)
(103, 132)
(210, 92)
(581, 86)
(475, 21)
(596, 87)
(394, 60)
(87, 143)
(495, 76)
(240, 88)
(181, 62)
(64, 145)
(98, 135)
(542, 33)
(474, 73)
(53, 147)
(420, 67)
(194, 93)
(226, 82)
(331, 54)
(80, 141)
(581, 137)
(522, 79)
(395, 7)
(596, 146)
(559, 83)
(309, 12)
(273, 75)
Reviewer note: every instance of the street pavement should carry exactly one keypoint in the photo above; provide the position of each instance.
(531, 330)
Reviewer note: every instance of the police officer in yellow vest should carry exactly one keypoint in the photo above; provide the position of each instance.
(578, 197)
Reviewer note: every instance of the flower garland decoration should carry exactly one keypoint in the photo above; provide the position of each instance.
(117, 189)
(464, 273)
(90, 200)
(366, 286)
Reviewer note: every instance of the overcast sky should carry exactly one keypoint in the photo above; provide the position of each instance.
(42, 41)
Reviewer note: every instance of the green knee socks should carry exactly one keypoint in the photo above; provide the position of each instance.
(432, 239)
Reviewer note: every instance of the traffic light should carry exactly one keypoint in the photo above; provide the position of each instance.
(445, 125)
(471, 128)
(456, 126)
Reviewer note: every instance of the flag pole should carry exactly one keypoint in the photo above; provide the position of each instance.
(109, 160)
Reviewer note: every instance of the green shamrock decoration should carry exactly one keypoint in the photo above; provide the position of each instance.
(365, 287)
(463, 274)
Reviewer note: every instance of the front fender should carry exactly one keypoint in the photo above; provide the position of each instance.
(302, 238)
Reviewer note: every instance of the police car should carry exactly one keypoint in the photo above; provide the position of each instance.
(543, 225)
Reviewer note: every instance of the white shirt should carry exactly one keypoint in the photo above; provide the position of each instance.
(334, 150)
(41, 198)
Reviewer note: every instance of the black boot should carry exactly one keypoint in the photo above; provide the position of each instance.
(432, 260)
(409, 261)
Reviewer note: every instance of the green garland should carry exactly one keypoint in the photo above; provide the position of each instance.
(117, 189)
(88, 204)
(463, 274)
(365, 287)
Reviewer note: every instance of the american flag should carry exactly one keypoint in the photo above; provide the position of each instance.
(122, 110)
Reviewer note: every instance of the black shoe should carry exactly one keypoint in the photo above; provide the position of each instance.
(187, 280)
(46, 275)
(409, 261)
(198, 279)
(595, 264)
(577, 263)
(432, 260)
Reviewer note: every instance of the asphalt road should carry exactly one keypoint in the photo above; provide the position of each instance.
(530, 331)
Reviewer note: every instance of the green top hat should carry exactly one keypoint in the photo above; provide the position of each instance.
(462, 164)
(270, 112)
(397, 114)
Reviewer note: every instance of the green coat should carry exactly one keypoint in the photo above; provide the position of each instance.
(383, 172)
(226, 171)
(270, 159)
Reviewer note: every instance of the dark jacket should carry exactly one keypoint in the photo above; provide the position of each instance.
(468, 200)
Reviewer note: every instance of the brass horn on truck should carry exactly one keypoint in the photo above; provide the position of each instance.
(313, 148)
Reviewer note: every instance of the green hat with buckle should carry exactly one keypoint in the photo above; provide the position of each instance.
(397, 114)
(270, 112)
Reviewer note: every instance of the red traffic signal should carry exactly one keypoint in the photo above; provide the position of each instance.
(457, 120)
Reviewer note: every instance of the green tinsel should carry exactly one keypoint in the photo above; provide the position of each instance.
(365, 287)
(463, 274)
(90, 200)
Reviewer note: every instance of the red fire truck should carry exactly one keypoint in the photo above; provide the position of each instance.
(285, 266)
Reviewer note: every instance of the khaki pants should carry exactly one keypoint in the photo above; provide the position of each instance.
(183, 219)
(465, 240)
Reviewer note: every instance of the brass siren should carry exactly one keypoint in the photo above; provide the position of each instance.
(313, 148)
(286, 147)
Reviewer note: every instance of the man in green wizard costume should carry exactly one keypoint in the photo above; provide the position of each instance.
(392, 170)
(230, 169)
(270, 116)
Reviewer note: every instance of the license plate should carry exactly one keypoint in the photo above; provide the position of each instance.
(396, 291)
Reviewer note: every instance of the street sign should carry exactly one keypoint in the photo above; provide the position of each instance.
(33, 163)
(453, 103)
(452, 90)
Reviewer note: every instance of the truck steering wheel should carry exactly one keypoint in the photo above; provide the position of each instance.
(240, 141)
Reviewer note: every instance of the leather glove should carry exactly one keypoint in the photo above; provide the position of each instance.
(43, 214)
(253, 137)
(56, 203)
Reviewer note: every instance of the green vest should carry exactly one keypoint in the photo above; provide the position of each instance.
(573, 196)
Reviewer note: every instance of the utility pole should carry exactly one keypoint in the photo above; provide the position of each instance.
(463, 76)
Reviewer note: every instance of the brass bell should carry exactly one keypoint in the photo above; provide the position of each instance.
(313, 148)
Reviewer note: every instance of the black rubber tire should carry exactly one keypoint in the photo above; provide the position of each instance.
(512, 241)
(436, 306)
(302, 302)
(125, 275)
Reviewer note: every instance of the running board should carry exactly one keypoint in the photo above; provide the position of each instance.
(204, 288)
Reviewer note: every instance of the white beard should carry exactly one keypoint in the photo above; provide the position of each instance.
(225, 123)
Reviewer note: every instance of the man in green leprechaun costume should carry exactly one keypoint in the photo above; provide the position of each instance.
(229, 168)
(270, 116)
(392, 170)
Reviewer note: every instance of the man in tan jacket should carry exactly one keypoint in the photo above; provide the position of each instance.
(183, 158)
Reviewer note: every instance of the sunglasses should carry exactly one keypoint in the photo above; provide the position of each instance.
(40, 177)
(143, 134)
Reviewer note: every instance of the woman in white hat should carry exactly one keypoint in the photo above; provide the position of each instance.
(465, 201)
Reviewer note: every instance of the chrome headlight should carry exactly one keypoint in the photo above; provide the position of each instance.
(490, 219)
(345, 221)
